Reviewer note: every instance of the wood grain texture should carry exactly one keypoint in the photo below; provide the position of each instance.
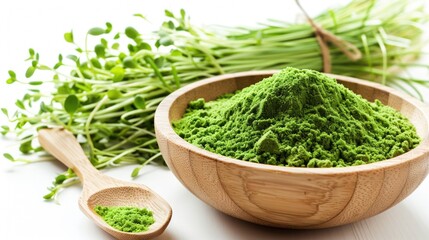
(292, 197)
(99, 189)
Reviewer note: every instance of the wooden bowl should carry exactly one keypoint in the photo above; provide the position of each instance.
(285, 196)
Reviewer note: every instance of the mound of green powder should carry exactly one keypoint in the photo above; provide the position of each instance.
(299, 118)
(126, 219)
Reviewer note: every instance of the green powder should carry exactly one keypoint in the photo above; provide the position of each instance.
(298, 118)
(126, 219)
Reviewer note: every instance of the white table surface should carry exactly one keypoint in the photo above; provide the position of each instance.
(23, 212)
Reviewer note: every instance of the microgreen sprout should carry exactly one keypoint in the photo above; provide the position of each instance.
(106, 93)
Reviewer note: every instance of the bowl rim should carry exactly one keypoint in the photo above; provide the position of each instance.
(163, 126)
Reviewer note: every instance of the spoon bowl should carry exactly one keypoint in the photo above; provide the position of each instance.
(130, 196)
(102, 190)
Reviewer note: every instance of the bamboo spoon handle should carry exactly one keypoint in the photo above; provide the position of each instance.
(65, 147)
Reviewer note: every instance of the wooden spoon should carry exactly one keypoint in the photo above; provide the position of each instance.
(99, 189)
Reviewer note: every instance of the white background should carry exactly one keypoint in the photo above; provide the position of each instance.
(25, 215)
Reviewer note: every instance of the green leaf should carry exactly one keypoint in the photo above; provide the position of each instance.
(33, 121)
(103, 42)
(35, 83)
(45, 108)
(50, 195)
(21, 123)
(115, 46)
(128, 62)
(108, 65)
(12, 77)
(20, 104)
(57, 65)
(118, 73)
(182, 13)
(12, 74)
(38, 149)
(44, 67)
(114, 94)
(71, 104)
(60, 179)
(96, 31)
(176, 53)
(73, 58)
(68, 36)
(131, 32)
(140, 15)
(100, 50)
(30, 71)
(9, 157)
(144, 46)
(96, 63)
(26, 97)
(108, 27)
(5, 129)
(166, 41)
(169, 25)
(122, 55)
(5, 112)
(131, 48)
(160, 62)
(25, 147)
(139, 102)
(169, 14)
(31, 52)
(41, 127)
(135, 172)
(117, 36)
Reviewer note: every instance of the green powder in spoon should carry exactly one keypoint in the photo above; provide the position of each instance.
(298, 118)
(126, 219)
